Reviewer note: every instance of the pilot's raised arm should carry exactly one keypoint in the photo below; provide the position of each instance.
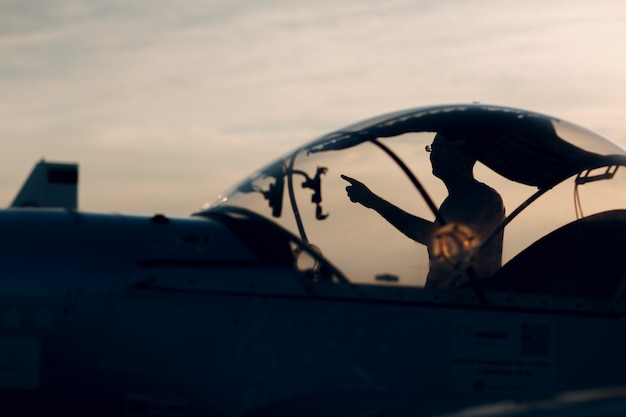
(412, 226)
(471, 205)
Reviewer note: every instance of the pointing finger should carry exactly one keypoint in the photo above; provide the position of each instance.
(350, 180)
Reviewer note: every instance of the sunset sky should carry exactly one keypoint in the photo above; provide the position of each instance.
(164, 104)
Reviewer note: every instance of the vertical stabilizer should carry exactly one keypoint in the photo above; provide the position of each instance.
(50, 185)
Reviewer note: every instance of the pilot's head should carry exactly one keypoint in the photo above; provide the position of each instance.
(448, 157)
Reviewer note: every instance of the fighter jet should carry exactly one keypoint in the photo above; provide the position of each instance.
(422, 262)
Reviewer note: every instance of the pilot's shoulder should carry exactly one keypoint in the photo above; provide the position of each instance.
(486, 192)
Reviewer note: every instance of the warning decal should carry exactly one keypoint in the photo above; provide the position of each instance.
(500, 356)
(535, 340)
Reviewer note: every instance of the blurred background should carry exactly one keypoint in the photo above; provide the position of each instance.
(167, 103)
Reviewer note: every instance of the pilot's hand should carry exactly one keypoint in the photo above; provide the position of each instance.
(359, 193)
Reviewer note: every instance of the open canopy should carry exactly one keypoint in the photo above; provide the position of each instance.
(521, 146)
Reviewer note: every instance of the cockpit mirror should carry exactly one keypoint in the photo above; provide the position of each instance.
(275, 196)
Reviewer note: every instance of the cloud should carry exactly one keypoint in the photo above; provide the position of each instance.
(216, 89)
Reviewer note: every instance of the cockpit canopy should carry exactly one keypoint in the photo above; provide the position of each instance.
(521, 146)
(550, 175)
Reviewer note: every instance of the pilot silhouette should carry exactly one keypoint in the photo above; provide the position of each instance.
(470, 211)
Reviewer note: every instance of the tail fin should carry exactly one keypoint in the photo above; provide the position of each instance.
(50, 185)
